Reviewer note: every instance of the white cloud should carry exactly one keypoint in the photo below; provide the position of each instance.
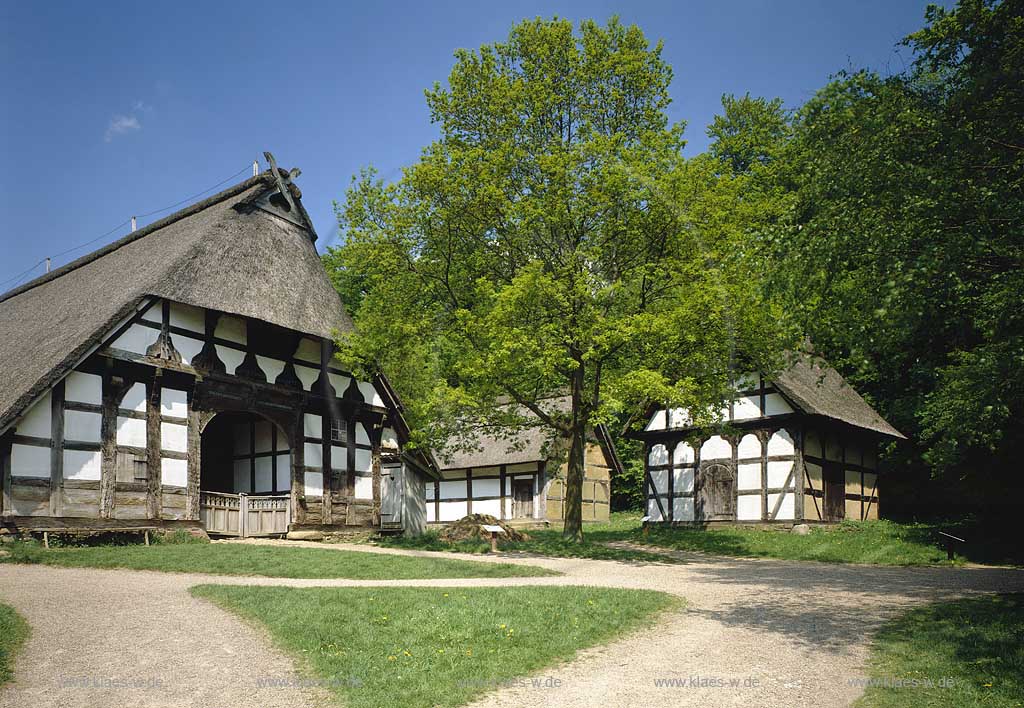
(120, 125)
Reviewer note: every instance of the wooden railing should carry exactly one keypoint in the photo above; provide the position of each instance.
(225, 514)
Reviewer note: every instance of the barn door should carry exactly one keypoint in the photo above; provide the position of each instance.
(522, 499)
(716, 499)
(835, 491)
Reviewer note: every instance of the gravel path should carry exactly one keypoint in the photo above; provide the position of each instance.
(775, 633)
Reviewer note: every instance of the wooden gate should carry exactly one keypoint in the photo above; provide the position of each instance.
(242, 515)
(522, 499)
(835, 491)
(717, 492)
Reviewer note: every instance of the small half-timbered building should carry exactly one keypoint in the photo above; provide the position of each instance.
(184, 376)
(520, 476)
(800, 447)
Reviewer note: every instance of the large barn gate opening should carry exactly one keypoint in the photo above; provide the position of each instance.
(245, 477)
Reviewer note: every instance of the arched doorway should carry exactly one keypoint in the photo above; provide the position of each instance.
(245, 476)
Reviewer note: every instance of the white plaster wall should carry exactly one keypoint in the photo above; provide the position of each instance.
(242, 476)
(83, 388)
(314, 485)
(81, 426)
(231, 329)
(232, 358)
(361, 437)
(682, 480)
(659, 478)
(748, 507)
(746, 407)
(339, 458)
(136, 339)
(30, 461)
(430, 510)
(430, 491)
(308, 351)
(364, 460)
(486, 488)
(679, 418)
(716, 448)
(658, 455)
(188, 347)
(37, 420)
(778, 473)
(775, 404)
(748, 476)
(153, 313)
(455, 489)
(312, 425)
(488, 506)
(307, 376)
(339, 383)
(683, 454)
(749, 447)
(82, 464)
(364, 487)
(135, 398)
(173, 473)
(682, 509)
(786, 510)
(264, 474)
(314, 454)
(781, 443)
(131, 432)
(284, 472)
(370, 394)
(452, 511)
(653, 512)
(173, 437)
(271, 367)
(174, 403)
(188, 317)
(657, 421)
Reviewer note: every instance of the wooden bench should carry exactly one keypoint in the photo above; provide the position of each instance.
(46, 531)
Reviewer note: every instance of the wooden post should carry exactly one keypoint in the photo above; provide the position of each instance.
(501, 490)
(469, 491)
(146, 533)
(57, 449)
(153, 445)
(494, 542)
(46, 539)
(195, 462)
(6, 504)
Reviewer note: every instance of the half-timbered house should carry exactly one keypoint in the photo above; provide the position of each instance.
(799, 447)
(519, 475)
(184, 376)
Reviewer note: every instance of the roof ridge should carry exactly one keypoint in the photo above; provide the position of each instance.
(188, 211)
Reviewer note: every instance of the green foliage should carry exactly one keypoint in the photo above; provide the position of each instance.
(268, 561)
(970, 651)
(435, 646)
(899, 248)
(750, 133)
(552, 241)
(14, 630)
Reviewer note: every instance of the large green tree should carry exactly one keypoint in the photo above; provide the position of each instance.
(901, 250)
(552, 240)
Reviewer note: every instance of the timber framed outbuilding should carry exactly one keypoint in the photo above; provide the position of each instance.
(800, 447)
(520, 475)
(185, 376)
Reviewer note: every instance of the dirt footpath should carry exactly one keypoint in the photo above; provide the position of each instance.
(764, 633)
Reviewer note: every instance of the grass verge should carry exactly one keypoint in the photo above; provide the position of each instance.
(434, 646)
(956, 654)
(874, 542)
(13, 633)
(269, 561)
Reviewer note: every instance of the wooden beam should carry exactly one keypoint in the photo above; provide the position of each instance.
(798, 474)
(56, 448)
(195, 463)
(501, 489)
(153, 438)
(114, 389)
(6, 503)
(469, 490)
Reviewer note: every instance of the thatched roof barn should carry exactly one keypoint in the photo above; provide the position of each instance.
(190, 359)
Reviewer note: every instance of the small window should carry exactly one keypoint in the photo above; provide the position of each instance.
(339, 430)
(131, 467)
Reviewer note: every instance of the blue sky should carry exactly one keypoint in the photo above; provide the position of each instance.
(114, 109)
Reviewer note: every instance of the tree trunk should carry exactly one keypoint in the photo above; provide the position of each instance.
(573, 504)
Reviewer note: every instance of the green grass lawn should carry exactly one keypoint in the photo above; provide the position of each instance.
(425, 647)
(13, 633)
(876, 542)
(270, 561)
(971, 651)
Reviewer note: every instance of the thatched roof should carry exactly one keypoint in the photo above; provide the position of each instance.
(530, 443)
(221, 254)
(818, 389)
